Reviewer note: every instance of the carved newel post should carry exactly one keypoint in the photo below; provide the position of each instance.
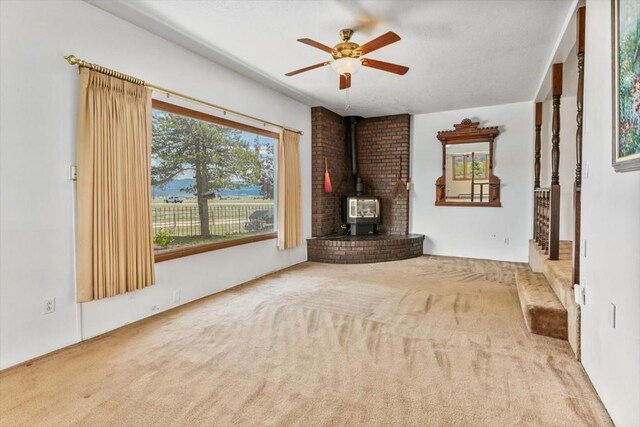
(554, 231)
(536, 183)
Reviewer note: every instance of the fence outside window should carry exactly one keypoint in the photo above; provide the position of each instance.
(224, 220)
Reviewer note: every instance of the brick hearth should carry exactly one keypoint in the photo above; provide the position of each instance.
(364, 249)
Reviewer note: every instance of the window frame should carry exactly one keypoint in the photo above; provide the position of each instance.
(486, 167)
(465, 161)
(464, 167)
(157, 104)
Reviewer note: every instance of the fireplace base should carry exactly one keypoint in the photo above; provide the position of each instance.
(364, 249)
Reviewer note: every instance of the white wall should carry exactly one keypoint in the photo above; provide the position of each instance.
(475, 232)
(38, 110)
(611, 227)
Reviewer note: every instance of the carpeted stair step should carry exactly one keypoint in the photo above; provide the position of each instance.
(543, 313)
(558, 275)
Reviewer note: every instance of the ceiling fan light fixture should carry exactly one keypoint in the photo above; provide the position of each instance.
(347, 56)
(346, 65)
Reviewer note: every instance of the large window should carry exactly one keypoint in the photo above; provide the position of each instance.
(213, 182)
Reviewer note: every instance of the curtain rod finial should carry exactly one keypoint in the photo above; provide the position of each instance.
(71, 59)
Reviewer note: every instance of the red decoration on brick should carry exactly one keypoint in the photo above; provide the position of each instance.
(327, 178)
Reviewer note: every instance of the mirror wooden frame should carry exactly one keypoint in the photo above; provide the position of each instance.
(468, 132)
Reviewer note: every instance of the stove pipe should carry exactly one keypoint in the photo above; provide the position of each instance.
(353, 121)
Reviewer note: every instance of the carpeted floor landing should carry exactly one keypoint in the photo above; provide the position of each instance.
(422, 342)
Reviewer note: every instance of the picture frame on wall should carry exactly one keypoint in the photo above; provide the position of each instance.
(625, 17)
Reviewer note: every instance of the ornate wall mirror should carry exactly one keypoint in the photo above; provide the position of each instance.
(467, 166)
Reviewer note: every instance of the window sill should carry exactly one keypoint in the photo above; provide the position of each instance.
(179, 253)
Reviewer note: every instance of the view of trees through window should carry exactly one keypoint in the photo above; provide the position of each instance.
(464, 166)
(210, 182)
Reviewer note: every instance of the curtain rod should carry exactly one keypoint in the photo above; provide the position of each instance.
(73, 60)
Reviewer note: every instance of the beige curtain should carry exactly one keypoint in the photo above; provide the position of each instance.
(115, 239)
(289, 191)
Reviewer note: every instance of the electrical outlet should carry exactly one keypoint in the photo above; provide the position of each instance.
(506, 241)
(176, 296)
(73, 173)
(48, 306)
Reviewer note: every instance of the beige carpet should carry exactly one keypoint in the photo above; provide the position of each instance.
(427, 341)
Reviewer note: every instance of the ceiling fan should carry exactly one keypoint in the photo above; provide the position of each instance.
(347, 56)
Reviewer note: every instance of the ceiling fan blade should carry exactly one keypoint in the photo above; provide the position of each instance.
(317, 45)
(345, 81)
(385, 66)
(311, 67)
(377, 43)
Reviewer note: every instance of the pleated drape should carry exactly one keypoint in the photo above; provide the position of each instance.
(114, 231)
(289, 191)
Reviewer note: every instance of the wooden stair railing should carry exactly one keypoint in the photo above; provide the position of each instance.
(554, 215)
(542, 221)
(539, 235)
(577, 185)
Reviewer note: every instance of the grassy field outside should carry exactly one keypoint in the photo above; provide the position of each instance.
(177, 225)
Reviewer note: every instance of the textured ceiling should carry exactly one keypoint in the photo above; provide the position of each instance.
(461, 54)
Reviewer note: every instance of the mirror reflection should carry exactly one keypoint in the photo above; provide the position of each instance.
(467, 172)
